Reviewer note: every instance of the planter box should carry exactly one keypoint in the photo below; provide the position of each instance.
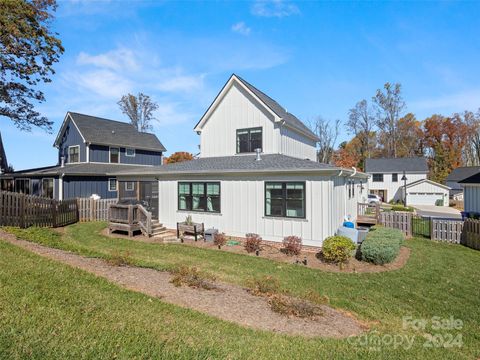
(195, 229)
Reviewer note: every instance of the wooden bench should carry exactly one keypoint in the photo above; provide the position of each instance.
(195, 229)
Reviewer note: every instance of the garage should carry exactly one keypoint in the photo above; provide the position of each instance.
(427, 192)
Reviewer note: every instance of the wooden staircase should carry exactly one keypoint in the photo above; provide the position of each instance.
(158, 229)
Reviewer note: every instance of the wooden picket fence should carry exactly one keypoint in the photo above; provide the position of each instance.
(27, 210)
(94, 210)
(453, 231)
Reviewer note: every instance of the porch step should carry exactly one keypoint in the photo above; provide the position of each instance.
(159, 231)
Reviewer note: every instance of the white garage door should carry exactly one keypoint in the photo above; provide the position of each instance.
(417, 198)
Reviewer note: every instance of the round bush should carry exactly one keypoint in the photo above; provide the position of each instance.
(337, 248)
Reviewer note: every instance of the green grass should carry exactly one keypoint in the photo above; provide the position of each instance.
(48, 310)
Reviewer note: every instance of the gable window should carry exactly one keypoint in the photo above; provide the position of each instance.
(114, 155)
(129, 186)
(248, 140)
(285, 199)
(74, 154)
(112, 184)
(48, 188)
(377, 177)
(199, 196)
(22, 186)
(394, 177)
(130, 152)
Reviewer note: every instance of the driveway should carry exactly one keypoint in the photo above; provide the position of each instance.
(438, 211)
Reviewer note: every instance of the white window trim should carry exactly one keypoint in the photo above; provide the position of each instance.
(74, 146)
(129, 182)
(53, 186)
(110, 154)
(116, 185)
(126, 152)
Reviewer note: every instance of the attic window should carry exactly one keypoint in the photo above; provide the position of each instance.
(248, 140)
(74, 154)
(114, 155)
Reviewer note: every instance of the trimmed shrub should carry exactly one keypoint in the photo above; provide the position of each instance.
(220, 239)
(253, 242)
(264, 286)
(291, 306)
(292, 245)
(337, 248)
(402, 208)
(382, 245)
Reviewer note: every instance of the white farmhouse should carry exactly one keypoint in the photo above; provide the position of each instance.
(391, 177)
(256, 173)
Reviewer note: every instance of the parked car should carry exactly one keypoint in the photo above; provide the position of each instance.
(374, 199)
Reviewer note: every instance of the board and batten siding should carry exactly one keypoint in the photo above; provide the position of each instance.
(243, 207)
(239, 110)
(471, 197)
(85, 186)
(101, 153)
(71, 137)
(296, 145)
(394, 189)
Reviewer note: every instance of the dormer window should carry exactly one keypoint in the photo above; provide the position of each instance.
(248, 140)
(74, 154)
(114, 155)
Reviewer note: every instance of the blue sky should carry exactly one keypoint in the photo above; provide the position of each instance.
(314, 58)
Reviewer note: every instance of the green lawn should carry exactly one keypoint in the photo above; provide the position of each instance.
(48, 310)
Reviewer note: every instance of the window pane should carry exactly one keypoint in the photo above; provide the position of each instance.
(182, 203)
(295, 191)
(255, 139)
(242, 141)
(47, 188)
(198, 189)
(274, 207)
(184, 188)
(213, 189)
(114, 158)
(295, 208)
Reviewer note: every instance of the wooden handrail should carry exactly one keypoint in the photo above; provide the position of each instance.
(144, 220)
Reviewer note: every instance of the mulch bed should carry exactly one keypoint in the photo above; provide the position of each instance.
(229, 302)
(314, 259)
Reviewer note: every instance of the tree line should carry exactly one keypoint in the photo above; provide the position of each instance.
(382, 127)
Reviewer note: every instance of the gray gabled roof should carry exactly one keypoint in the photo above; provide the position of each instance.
(396, 165)
(428, 181)
(235, 164)
(462, 173)
(102, 131)
(91, 169)
(290, 119)
(474, 179)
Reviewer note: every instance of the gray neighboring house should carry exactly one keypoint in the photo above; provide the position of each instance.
(3, 157)
(454, 179)
(89, 148)
(471, 196)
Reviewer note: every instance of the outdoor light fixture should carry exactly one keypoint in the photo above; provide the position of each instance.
(404, 179)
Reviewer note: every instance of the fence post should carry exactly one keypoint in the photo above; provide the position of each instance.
(54, 213)
(92, 210)
(22, 211)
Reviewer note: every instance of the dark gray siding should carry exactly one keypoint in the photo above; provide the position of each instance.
(85, 186)
(101, 153)
(71, 137)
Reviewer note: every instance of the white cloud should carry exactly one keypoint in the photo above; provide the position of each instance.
(241, 28)
(118, 59)
(274, 8)
(103, 82)
(181, 83)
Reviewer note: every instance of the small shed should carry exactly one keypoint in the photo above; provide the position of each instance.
(471, 190)
(427, 192)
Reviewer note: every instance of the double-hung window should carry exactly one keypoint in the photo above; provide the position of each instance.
(199, 196)
(112, 184)
(22, 186)
(248, 140)
(394, 177)
(130, 152)
(377, 177)
(285, 199)
(74, 154)
(114, 155)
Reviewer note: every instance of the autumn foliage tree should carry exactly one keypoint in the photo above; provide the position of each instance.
(178, 156)
(28, 51)
(445, 139)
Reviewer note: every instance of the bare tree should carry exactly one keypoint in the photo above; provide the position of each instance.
(139, 109)
(471, 152)
(327, 134)
(390, 106)
(361, 123)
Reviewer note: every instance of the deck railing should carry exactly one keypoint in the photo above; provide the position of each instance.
(368, 212)
(130, 218)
